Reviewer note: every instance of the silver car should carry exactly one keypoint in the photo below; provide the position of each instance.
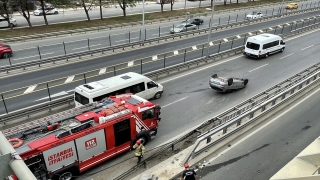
(183, 27)
(224, 84)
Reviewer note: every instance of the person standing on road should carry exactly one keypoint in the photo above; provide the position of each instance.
(189, 174)
(139, 150)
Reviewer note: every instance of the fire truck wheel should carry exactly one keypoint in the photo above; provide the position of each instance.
(157, 95)
(66, 175)
(143, 139)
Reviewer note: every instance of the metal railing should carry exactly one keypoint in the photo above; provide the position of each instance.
(131, 24)
(254, 111)
(228, 114)
(162, 71)
(138, 43)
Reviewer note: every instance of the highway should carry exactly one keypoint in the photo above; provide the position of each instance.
(72, 15)
(188, 100)
(261, 154)
(28, 51)
(67, 70)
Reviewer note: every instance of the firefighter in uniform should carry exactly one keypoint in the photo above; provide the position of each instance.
(139, 150)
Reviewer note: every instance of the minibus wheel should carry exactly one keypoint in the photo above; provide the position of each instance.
(267, 55)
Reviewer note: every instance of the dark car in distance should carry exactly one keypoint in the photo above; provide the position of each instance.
(195, 21)
(5, 51)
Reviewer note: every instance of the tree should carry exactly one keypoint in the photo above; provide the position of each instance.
(86, 8)
(24, 7)
(172, 2)
(124, 4)
(4, 11)
(42, 3)
(162, 2)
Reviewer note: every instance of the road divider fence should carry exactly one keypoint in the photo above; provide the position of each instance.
(67, 57)
(138, 23)
(154, 66)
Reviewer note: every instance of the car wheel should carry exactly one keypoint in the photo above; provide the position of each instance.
(157, 95)
(267, 55)
(40, 14)
(282, 49)
(230, 81)
(245, 82)
(6, 55)
(214, 75)
(56, 12)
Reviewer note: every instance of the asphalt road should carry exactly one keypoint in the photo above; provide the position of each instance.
(72, 15)
(262, 154)
(40, 49)
(67, 70)
(188, 101)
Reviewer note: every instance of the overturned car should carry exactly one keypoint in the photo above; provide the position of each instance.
(224, 84)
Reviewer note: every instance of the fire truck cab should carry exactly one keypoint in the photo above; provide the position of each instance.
(65, 147)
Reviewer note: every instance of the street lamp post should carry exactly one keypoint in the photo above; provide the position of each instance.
(210, 29)
(143, 31)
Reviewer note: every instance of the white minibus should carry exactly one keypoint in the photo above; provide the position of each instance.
(263, 45)
(125, 83)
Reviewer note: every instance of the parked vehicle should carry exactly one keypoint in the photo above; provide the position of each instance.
(125, 83)
(224, 84)
(292, 6)
(183, 27)
(64, 146)
(195, 21)
(5, 51)
(254, 15)
(49, 10)
(263, 45)
(4, 22)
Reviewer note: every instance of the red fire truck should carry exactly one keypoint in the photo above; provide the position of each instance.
(68, 143)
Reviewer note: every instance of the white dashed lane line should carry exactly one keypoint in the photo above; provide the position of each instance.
(174, 102)
(306, 47)
(287, 56)
(258, 67)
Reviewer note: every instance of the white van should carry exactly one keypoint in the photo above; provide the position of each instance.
(125, 83)
(263, 45)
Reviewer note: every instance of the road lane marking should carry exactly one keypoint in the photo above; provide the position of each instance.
(102, 71)
(52, 96)
(287, 56)
(79, 48)
(158, 34)
(306, 47)
(258, 68)
(174, 102)
(26, 57)
(201, 69)
(69, 79)
(237, 142)
(95, 45)
(47, 53)
(30, 89)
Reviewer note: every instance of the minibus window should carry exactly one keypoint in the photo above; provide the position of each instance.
(151, 84)
(81, 99)
(253, 46)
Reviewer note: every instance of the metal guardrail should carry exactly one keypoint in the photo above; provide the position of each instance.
(140, 43)
(109, 27)
(296, 85)
(4, 118)
(236, 111)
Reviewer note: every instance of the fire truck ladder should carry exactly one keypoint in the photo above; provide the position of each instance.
(52, 118)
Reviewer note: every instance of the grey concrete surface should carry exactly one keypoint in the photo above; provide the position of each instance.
(72, 15)
(28, 51)
(262, 154)
(67, 70)
(188, 100)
